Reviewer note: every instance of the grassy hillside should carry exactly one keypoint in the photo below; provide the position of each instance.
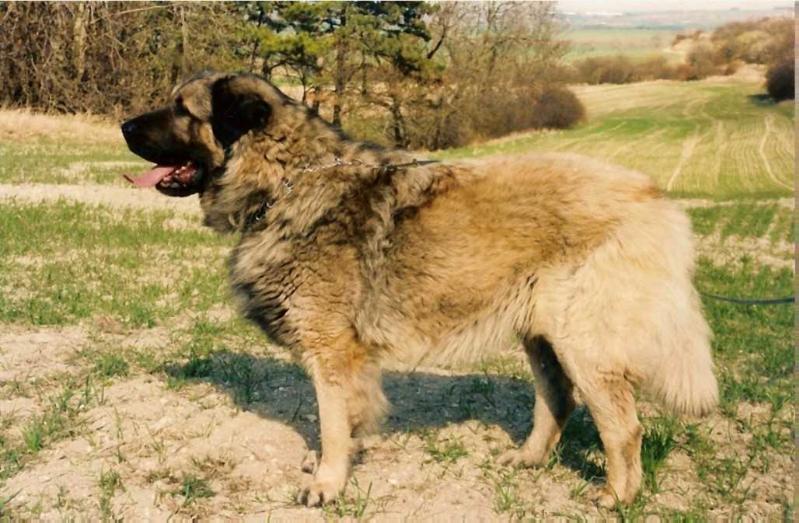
(710, 138)
(714, 138)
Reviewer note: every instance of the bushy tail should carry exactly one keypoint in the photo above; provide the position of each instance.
(684, 381)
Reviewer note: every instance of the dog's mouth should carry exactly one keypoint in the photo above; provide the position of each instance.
(172, 180)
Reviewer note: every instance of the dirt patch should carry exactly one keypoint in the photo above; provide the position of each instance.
(26, 354)
(98, 195)
(248, 457)
(731, 251)
(693, 203)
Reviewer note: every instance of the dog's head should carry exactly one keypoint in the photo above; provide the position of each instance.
(188, 139)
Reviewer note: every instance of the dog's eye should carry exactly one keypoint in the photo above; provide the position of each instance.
(180, 108)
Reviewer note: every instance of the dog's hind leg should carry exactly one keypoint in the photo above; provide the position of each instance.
(554, 402)
(610, 400)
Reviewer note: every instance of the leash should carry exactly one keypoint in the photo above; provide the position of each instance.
(338, 162)
(747, 301)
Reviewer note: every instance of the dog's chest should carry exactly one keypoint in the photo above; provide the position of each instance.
(294, 289)
(263, 278)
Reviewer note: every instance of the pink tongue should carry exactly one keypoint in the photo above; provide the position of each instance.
(153, 176)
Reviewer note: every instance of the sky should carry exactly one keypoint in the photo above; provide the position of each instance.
(582, 6)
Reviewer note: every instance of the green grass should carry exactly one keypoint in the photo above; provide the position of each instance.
(109, 365)
(693, 138)
(753, 346)
(61, 161)
(353, 504)
(444, 450)
(744, 220)
(193, 488)
(60, 419)
(658, 441)
(109, 483)
(66, 261)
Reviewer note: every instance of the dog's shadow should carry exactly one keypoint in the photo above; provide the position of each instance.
(420, 401)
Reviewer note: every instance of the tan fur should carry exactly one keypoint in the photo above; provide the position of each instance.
(588, 263)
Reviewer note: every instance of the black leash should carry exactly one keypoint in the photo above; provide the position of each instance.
(414, 163)
(745, 301)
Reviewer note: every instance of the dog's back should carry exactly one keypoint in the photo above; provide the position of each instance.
(588, 255)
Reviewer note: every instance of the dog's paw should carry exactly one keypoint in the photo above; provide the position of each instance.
(520, 458)
(605, 498)
(327, 484)
(319, 492)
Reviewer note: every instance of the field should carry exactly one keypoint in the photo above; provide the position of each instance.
(716, 138)
(631, 42)
(130, 388)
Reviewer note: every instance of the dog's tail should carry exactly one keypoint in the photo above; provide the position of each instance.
(677, 368)
(685, 382)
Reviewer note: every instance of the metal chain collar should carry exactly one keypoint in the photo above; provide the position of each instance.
(288, 185)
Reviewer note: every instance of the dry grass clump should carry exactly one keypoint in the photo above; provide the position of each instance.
(23, 124)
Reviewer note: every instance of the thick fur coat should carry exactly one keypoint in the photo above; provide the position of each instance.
(349, 252)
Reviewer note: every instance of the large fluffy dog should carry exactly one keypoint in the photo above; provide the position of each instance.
(349, 251)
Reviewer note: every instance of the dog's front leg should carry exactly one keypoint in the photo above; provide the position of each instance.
(337, 443)
(334, 359)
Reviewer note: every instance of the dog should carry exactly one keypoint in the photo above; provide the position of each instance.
(349, 252)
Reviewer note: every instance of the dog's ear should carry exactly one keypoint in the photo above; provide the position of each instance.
(236, 110)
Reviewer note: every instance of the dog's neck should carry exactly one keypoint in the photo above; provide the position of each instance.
(296, 173)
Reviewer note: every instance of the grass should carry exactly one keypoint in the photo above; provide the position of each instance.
(110, 365)
(60, 419)
(193, 488)
(506, 495)
(51, 161)
(354, 503)
(744, 220)
(705, 139)
(444, 450)
(39, 148)
(658, 441)
(64, 262)
(110, 481)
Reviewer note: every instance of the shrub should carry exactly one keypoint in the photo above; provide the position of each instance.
(701, 62)
(780, 80)
(558, 108)
(655, 68)
(606, 70)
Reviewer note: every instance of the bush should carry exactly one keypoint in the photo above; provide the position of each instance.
(780, 80)
(701, 61)
(489, 113)
(606, 70)
(558, 108)
(655, 68)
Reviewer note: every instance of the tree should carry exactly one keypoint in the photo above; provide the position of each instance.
(331, 43)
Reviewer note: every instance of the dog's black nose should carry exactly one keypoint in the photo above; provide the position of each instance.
(129, 128)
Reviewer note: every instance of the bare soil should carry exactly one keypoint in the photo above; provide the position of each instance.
(251, 453)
